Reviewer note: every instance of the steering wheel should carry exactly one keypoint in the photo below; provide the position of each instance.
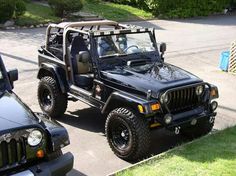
(129, 47)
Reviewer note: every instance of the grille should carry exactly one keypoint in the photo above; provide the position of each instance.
(12, 153)
(183, 99)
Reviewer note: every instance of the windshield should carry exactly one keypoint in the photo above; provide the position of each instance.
(124, 44)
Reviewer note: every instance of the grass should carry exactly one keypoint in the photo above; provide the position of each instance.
(117, 12)
(213, 155)
(36, 14)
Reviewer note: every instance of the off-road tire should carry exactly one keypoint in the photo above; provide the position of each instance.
(139, 140)
(200, 129)
(59, 100)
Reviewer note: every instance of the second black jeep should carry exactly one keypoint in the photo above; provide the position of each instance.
(30, 143)
(119, 70)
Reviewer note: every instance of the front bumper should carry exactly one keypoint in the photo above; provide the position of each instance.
(57, 167)
(186, 122)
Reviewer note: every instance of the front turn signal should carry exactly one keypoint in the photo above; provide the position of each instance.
(214, 93)
(40, 154)
(155, 107)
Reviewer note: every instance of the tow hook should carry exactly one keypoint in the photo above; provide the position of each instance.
(38, 169)
(212, 119)
(177, 130)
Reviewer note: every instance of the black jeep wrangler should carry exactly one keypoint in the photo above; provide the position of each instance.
(30, 143)
(119, 70)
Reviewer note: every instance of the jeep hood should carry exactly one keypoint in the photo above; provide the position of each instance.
(154, 77)
(13, 113)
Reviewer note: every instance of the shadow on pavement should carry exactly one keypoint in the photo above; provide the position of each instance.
(163, 140)
(19, 58)
(91, 119)
(227, 108)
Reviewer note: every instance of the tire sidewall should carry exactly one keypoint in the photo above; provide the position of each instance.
(123, 119)
(59, 100)
(43, 86)
(138, 128)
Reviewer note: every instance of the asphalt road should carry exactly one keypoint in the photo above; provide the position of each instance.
(194, 45)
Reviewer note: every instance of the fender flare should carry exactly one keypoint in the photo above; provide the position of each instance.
(57, 73)
(117, 99)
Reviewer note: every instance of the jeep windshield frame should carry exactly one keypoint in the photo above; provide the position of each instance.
(125, 43)
(93, 29)
(122, 59)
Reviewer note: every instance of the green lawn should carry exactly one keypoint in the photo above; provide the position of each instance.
(213, 155)
(36, 14)
(117, 12)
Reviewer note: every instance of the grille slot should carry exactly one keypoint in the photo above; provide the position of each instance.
(12, 153)
(182, 99)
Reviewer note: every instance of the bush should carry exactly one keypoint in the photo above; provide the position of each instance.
(186, 8)
(180, 8)
(10, 9)
(63, 7)
(20, 8)
(7, 8)
(232, 4)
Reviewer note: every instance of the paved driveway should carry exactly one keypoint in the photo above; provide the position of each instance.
(194, 45)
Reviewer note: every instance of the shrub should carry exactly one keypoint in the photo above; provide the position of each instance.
(186, 8)
(7, 8)
(20, 8)
(232, 4)
(10, 9)
(180, 8)
(63, 7)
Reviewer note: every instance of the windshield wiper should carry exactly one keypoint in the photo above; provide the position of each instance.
(113, 55)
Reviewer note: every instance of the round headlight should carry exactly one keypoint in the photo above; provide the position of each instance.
(34, 138)
(199, 90)
(164, 98)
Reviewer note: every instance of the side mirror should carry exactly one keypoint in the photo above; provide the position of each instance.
(84, 56)
(162, 50)
(13, 76)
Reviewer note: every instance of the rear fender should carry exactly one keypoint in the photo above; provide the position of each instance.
(57, 73)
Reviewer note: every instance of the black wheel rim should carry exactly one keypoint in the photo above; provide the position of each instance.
(46, 98)
(120, 135)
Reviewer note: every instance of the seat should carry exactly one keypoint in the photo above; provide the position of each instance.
(84, 78)
(83, 64)
(82, 67)
(77, 46)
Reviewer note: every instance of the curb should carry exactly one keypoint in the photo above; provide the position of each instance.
(46, 24)
(24, 27)
(138, 163)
